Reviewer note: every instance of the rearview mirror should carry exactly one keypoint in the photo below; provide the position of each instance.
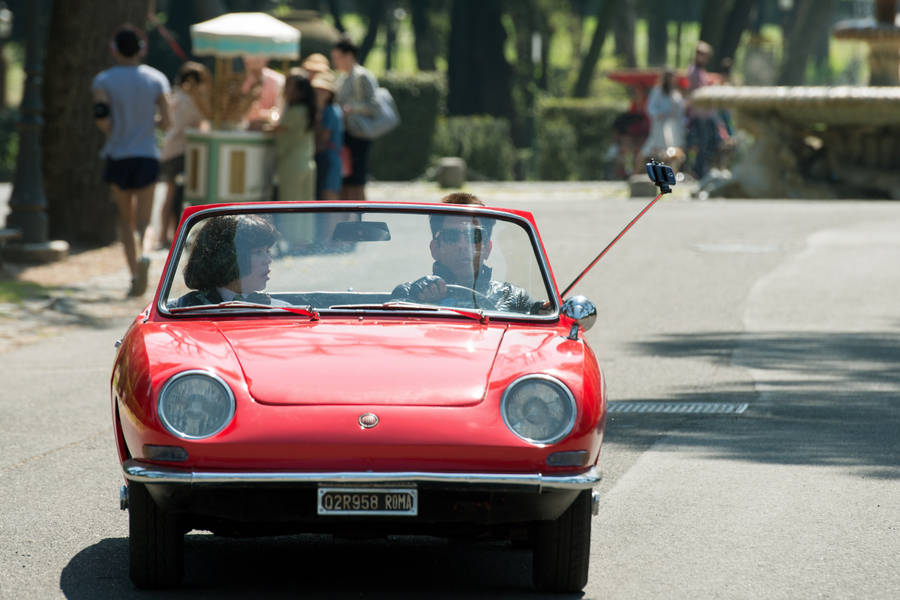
(361, 231)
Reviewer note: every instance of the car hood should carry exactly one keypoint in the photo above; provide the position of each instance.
(365, 362)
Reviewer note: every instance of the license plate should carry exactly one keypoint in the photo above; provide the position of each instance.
(368, 501)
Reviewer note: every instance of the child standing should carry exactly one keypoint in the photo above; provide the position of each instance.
(329, 138)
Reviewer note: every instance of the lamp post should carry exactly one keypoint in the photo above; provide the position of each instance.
(6, 22)
(27, 203)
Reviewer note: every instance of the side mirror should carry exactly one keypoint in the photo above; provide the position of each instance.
(582, 311)
(361, 231)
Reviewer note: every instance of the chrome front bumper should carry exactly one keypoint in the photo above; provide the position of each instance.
(146, 473)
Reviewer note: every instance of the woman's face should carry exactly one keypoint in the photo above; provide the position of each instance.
(291, 92)
(342, 61)
(323, 97)
(255, 280)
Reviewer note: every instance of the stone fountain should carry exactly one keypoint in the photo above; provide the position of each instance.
(821, 142)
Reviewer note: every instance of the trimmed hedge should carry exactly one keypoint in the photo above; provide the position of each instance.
(484, 142)
(405, 153)
(574, 137)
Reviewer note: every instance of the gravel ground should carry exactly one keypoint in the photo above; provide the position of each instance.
(87, 289)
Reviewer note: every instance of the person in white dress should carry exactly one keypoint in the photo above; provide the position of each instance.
(665, 107)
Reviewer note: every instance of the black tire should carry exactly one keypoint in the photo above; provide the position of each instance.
(155, 542)
(562, 548)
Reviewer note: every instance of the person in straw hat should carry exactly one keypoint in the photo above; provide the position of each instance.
(316, 63)
(329, 139)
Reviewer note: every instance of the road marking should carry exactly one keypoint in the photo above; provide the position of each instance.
(677, 408)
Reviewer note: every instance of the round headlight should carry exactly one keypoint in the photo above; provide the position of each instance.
(195, 405)
(539, 409)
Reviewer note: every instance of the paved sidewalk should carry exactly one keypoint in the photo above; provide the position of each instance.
(88, 289)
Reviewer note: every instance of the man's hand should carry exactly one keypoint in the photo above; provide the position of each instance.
(430, 288)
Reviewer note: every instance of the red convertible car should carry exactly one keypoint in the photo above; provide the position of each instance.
(386, 368)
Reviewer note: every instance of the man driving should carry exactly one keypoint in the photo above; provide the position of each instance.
(460, 245)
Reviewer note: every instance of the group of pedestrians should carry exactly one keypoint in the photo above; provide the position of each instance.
(317, 157)
(676, 127)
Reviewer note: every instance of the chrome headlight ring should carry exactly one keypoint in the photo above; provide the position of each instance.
(543, 418)
(195, 404)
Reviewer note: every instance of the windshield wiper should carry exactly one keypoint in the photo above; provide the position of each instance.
(478, 315)
(306, 311)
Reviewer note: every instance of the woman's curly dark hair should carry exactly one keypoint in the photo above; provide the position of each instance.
(214, 260)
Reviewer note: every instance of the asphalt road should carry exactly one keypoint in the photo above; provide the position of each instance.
(786, 307)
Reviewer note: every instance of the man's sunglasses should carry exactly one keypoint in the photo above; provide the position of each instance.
(453, 236)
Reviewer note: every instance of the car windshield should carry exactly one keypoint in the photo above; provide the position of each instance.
(451, 261)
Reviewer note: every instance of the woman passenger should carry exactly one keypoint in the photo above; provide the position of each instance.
(229, 260)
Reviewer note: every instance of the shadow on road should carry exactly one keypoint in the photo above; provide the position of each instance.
(314, 567)
(828, 399)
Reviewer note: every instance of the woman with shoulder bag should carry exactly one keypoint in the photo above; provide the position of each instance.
(356, 89)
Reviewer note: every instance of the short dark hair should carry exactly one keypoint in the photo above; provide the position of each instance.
(128, 41)
(345, 45)
(462, 198)
(437, 221)
(214, 260)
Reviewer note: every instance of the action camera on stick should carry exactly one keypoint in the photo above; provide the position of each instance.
(661, 175)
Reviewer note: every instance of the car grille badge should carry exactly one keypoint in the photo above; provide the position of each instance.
(368, 420)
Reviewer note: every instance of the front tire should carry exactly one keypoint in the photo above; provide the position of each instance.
(155, 542)
(562, 548)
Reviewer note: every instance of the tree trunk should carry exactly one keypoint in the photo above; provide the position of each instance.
(576, 25)
(390, 37)
(657, 33)
(335, 11)
(736, 22)
(624, 33)
(79, 207)
(605, 17)
(810, 16)
(425, 42)
(376, 12)
(712, 23)
(479, 79)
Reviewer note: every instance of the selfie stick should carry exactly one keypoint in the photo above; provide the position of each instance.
(663, 187)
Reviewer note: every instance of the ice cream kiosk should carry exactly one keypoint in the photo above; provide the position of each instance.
(230, 163)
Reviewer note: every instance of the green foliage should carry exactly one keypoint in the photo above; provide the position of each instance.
(9, 143)
(574, 138)
(484, 142)
(404, 153)
(557, 148)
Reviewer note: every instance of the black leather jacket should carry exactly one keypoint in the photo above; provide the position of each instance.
(501, 296)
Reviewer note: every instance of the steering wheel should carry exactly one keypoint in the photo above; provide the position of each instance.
(491, 303)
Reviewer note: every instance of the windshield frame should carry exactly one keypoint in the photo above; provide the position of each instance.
(343, 206)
